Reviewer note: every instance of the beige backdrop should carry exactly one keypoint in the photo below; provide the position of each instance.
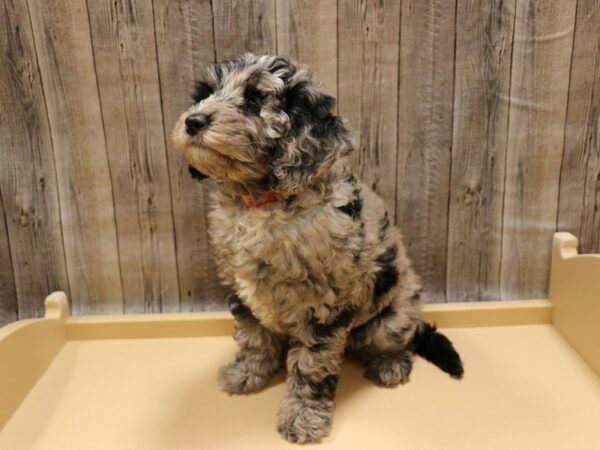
(478, 124)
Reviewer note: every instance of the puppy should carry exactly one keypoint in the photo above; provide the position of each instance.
(309, 250)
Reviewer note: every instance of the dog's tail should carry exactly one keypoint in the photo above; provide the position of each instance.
(437, 349)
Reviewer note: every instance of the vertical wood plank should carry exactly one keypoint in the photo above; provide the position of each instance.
(425, 136)
(184, 36)
(87, 154)
(307, 32)
(31, 212)
(482, 85)
(242, 27)
(579, 206)
(8, 293)
(368, 89)
(62, 38)
(538, 103)
(125, 55)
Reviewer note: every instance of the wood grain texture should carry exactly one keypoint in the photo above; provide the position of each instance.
(31, 211)
(126, 67)
(579, 206)
(425, 136)
(482, 85)
(241, 27)
(477, 122)
(184, 37)
(8, 293)
(62, 39)
(368, 89)
(538, 103)
(307, 32)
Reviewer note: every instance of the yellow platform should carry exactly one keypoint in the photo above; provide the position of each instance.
(149, 382)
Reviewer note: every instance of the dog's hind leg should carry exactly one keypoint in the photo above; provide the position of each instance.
(383, 345)
(261, 355)
(388, 343)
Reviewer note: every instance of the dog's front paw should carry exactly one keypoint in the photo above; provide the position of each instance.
(303, 420)
(249, 372)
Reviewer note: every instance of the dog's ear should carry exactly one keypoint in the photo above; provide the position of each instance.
(316, 136)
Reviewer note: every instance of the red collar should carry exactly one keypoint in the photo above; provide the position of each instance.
(269, 197)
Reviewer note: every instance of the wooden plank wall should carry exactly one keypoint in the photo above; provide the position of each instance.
(478, 123)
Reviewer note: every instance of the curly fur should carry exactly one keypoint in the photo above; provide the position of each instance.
(317, 272)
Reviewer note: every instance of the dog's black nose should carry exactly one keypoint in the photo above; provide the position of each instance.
(195, 122)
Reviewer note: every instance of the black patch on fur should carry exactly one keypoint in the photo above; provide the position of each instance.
(298, 375)
(318, 347)
(239, 310)
(327, 330)
(384, 226)
(354, 207)
(387, 277)
(253, 100)
(306, 107)
(324, 389)
(284, 67)
(416, 296)
(388, 257)
(331, 127)
(357, 252)
(290, 200)
(261, 268)
(323, 135)
(240, 357)
(202, 90)
(196, 174)
(360, 331)
(437, 349)
(386, 312)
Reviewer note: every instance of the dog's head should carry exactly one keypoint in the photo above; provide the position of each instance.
(261, 123)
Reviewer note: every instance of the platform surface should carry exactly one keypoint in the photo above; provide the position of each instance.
(524, 388)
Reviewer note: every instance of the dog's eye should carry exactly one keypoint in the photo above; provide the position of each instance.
(253, 104)
(253, 99)
(202, 91)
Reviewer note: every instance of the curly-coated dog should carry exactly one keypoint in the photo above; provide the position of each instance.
(308, 249)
